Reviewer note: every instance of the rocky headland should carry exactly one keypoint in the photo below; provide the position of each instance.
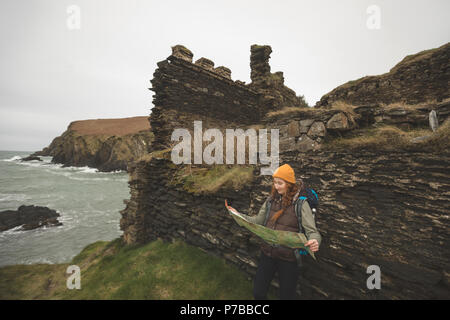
(105, 144)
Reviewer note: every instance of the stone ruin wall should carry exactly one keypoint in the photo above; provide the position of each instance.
(187, 91)
(304, 130)
(377, 208)
(387, 209)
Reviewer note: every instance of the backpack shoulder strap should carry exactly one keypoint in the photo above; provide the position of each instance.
(268, 205)
(298, 212)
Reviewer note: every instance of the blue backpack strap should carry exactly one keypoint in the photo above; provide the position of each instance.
(298, 213)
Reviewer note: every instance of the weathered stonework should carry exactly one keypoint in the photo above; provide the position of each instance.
(314, 125)
(185, 90)
(338, 122)
(384, 208)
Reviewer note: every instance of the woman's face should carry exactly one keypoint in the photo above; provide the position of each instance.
(280, 185)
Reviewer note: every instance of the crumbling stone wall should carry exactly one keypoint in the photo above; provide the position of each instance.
(274, 94)
(306, 129)
(384, 209)
(376, 207)
(187, 91)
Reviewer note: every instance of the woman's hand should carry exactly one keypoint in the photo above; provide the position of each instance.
(232, 209)
(313, 244)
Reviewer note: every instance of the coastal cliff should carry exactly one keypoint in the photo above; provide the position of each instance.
(380, 172)
(105, 144)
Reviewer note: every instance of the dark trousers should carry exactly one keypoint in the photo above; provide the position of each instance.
(287, 276)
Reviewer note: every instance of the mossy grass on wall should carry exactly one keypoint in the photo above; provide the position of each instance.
(213, 178)
(391, 138)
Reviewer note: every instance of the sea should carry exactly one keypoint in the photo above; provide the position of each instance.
(87, 200)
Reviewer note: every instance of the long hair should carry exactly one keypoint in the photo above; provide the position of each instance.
(286, 200)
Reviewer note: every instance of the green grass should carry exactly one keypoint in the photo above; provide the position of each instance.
(213, 179)
(390, 137)
(112, 270)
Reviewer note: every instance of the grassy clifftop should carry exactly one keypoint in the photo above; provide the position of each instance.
(112, 270)
(105, 144)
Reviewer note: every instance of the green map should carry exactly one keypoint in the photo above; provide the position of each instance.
(288, 239)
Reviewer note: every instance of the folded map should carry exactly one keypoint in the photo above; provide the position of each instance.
(288, 239)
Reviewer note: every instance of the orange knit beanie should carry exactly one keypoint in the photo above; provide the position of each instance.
(285, 172)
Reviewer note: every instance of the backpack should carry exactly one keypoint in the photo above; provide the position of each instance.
(313, 200)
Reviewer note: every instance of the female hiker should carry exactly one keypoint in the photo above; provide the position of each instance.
(282, 217)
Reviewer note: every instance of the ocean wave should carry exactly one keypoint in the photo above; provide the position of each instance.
(89, 179)
(15, 158)
(13, 197)
(115, 171)
(84, 169)
(39, 164)
(40, 260)
(12, 231)
(46, 163)
(87, 169)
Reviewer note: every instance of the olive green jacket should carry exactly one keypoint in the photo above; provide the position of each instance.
(308, 222)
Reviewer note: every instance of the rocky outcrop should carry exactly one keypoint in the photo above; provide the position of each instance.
(379, 206)
(31, 158)
(105, 144)
(30, 217)
(418, 78)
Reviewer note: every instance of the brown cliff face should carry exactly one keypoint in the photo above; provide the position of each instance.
(383, 204)
(105, 144)
(418, 78)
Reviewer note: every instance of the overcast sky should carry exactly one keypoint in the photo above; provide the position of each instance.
(56, 68)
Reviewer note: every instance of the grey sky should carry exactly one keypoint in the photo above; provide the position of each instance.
(51, 75)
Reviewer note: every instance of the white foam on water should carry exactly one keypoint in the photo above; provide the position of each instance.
(15, 158)
(46, 163)
(58, 173)
(13, 197)
(38, 261)
(89, 179)
(12, 232)
(84, 169)
(113, 172)
(84, 220)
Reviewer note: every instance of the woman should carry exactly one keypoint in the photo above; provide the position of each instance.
(282, 217)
